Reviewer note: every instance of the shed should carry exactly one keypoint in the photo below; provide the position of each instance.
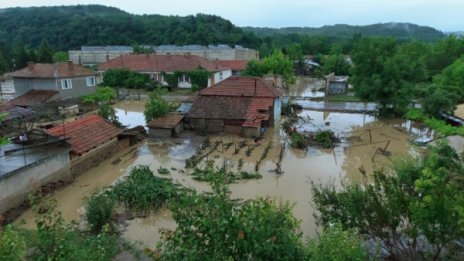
(166, 126)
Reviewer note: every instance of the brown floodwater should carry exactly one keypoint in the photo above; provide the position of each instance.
(357, 150)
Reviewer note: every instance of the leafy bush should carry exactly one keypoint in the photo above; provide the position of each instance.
(210, 174)
(325, 138)
(99, 210)
(12, 244)
(413, 213)
(211, 226)
(141, 191)
(337, 244)
(298, 140)
(156, 106)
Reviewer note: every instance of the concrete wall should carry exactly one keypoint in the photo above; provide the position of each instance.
(94, 57)
(15, 188)
(79, 86)
(80, 164)
(251, 132)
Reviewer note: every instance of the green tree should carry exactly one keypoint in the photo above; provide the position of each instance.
(21, 57)
(436, 99)
(124, 78)
(44, 54)
(377, 75)
(337, 244)
(453, 75)
(156, 106)
(414, 213)
(103, 98)
(276, 63)
(199, 77)
(335, 63)
(60, 56)
(212, 226)
(444, 53)
(12, 244)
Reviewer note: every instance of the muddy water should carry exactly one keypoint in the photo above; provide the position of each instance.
(299, 167)
(307, 88)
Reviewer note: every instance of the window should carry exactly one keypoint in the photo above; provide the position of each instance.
(66, 84)
(90, 81)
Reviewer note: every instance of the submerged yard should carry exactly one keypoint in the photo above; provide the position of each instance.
(365, 143)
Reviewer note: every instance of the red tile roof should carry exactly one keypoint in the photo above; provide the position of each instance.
(252, 110)
(234, 65)
(33, 98)
(168, 121)
(52, 70)
(244, 87)
(161, 63)
(86, 133)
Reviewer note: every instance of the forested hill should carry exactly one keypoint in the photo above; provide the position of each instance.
(67, 27)
(402, 31)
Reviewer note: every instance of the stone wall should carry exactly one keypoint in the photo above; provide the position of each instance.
(15, 188)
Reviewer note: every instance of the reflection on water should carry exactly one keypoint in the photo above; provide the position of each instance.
(361, 136)
(307, 88)
(130, 113)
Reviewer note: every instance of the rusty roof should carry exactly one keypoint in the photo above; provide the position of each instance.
(33, 98)
(236, 65)
(86, 133)
(168, 121)
(161, 63)
(250, 109)
(243, 86)
(52, 70)
(14, 112)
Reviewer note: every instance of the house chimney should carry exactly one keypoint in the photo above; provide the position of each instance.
(70, 65)
(30, 65)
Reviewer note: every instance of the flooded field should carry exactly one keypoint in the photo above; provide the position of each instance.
(361, 137)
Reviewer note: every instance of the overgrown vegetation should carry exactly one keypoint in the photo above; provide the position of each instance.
(156, 106)
(209, 174)
(124, 78)
(415, 212)
(440, 126)
(211, 226)
(103, 97)
(142, 192)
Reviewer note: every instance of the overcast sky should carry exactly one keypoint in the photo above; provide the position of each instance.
(445, 15)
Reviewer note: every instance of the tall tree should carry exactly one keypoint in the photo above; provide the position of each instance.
(377, 75)
(21, 57)
(44, 54)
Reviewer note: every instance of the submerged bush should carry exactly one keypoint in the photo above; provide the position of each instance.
(141, 191)
(99, 211)
(298, 140)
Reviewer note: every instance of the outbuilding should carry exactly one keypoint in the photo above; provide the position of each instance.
(166, 126)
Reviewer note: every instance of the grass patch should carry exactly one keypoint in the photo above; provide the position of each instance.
(210, 174)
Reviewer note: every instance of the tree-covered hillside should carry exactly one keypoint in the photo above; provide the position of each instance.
(401, 31)
(67, 27)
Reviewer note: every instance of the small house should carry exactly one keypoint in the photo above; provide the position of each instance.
(67, 80)
(238, 105)
(92, 140)
(158, 66)
(336, 85)
(167, 126)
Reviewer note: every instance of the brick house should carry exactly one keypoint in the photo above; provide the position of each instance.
(238, 105)
(156, 65)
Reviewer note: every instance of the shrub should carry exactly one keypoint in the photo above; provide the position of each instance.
(298, 140)
(99, 210)
(12, 244)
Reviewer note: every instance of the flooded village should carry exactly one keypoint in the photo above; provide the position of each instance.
(152, 137)
(366, 143)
